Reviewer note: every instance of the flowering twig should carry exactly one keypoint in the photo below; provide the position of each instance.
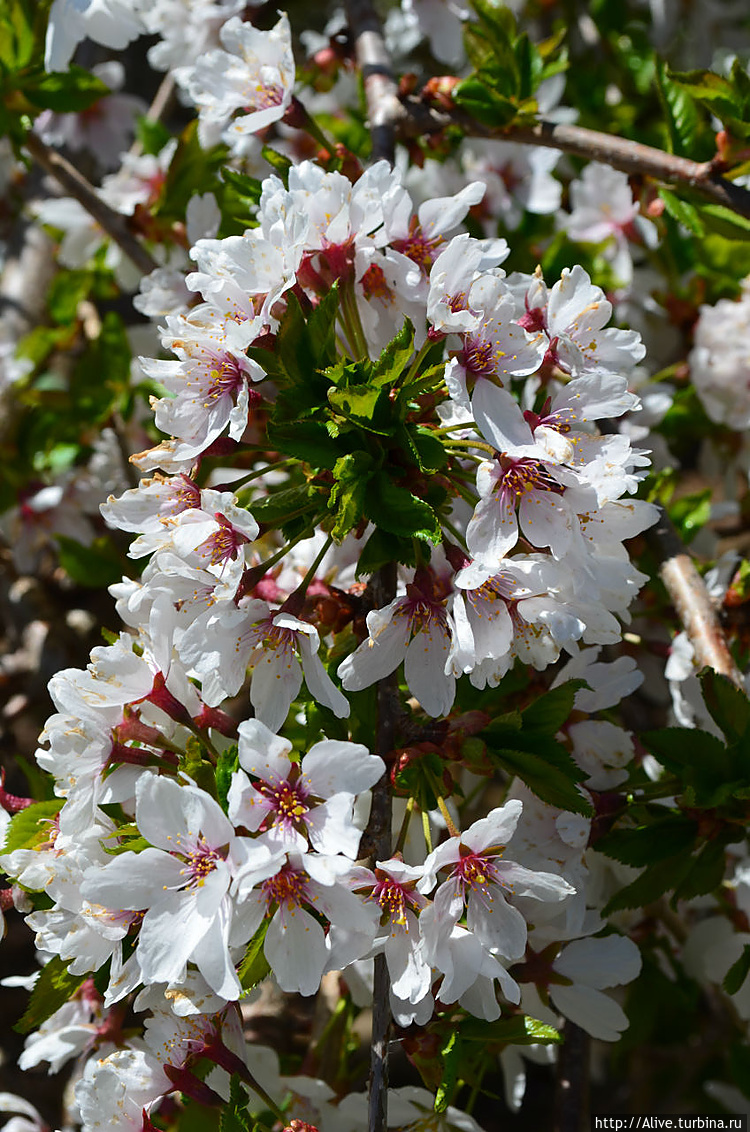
(381, 90)
(692, 601)
(76, 184)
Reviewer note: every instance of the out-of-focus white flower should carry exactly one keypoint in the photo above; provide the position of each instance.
(720, 360)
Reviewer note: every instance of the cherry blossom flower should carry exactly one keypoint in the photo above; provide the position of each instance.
(182, 880)
(480, 881)
(254, 73)
(292, 802)
(417, 629)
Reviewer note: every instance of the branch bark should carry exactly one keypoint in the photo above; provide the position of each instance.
(382, 592)
(381, 89)
(572, 1084)
(74, 183)
(416, 118)
(692, 602)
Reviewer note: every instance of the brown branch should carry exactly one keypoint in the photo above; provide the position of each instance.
(381, 88)
(382, 591)
(416, 118)
(572, 1081)
(113, 223)
(692, 602)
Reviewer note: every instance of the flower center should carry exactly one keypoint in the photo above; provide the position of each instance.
(198, 864)
(524, 475)
(224, 543)
(478, 358)
(418, 247)
(288, 800)
(374, 284)
(287, 887)
(392, 898)
(226, 378)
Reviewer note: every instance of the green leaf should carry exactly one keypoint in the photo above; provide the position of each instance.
(680, 112)
(548, 782)
(32, 826)
(66, 92)
(279, 162)
(679, 747)
(691, 512)
(450, 1056)
(519, 1029)
(281, 505)
(54, 987)
(549, 712)
(650, 885)
(192, 170)
(351, 475)
(96, 566)
(395, 509)
(367, 406)
(306, 440)
(152, 136)
(705, 871)
(67, 290)
(227, 763)
(729, 707)
(483, 103)
(394, 357)
(683, 211)
(738, 972)
(382, 548)
(723, 220)
(664, 837)
(254, 965)
(234, 1115)
(715, 91)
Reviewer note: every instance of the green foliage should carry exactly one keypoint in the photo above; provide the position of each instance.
(524, 744)
(96, 566)
(254, 965)
(726, 97)
(54, 987)
(234, 1115)
(228, 762)
(508, 67)
(31, 826)
(65, 92)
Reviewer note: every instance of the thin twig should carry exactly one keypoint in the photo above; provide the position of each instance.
(382, 591)
(113, 223)
(692, 602)
(160, 105)
(414, 118)
(381, 89)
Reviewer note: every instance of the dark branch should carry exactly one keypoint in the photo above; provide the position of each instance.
(381, 89)
(113, 223)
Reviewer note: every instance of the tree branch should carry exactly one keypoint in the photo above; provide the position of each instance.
(416, 118)
(572, 1083)
(381, 89)
(692, 602)
(113, 223)
(382, 591)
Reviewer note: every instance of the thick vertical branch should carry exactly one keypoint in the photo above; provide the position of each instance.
(381, 89)
(382, 592)
(572, 1087)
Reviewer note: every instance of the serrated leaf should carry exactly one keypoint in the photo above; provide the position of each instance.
(728, 705)
(234, 1115)
(382, 548)
(394, 356)
(549, 712)
(546, 781)
(712, 89)
(682, 211)
(395, 509)
(650, 885)
(227, 763)
(31, 826)
(306, 440)
(449, 1057)
(54, 987)
(281, 505)
(429, 453)
(664, 837)
(351, 474)
(367, 406)
(680, 112)
(483, 103)
(738, 972)
(254, 965)
(680, 747)
(705, 871)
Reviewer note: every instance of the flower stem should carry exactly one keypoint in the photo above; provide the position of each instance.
(402, 833)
